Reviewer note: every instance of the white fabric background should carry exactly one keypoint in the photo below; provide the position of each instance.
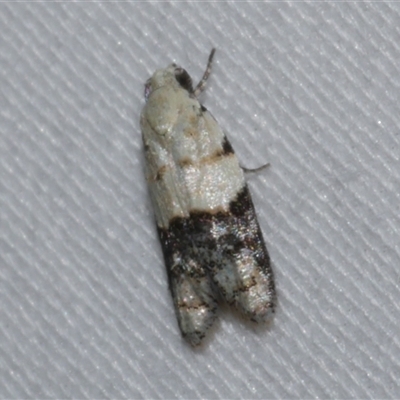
(312, 88)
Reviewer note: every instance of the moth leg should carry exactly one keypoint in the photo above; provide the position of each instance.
(258, 169)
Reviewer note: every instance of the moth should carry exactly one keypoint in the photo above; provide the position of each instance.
(210, 237)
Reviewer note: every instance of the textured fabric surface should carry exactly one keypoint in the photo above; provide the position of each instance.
(312, 88)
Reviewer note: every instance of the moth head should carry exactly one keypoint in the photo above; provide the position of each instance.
(173, 75)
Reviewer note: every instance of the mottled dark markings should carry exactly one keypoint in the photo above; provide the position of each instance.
(227, 147)
(160, 173)
(185, 162)
(191, 236)
(184, 79)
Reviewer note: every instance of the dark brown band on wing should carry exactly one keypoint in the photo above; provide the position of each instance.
(238, 225)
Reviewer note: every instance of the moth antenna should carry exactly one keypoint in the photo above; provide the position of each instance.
(202, 84)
